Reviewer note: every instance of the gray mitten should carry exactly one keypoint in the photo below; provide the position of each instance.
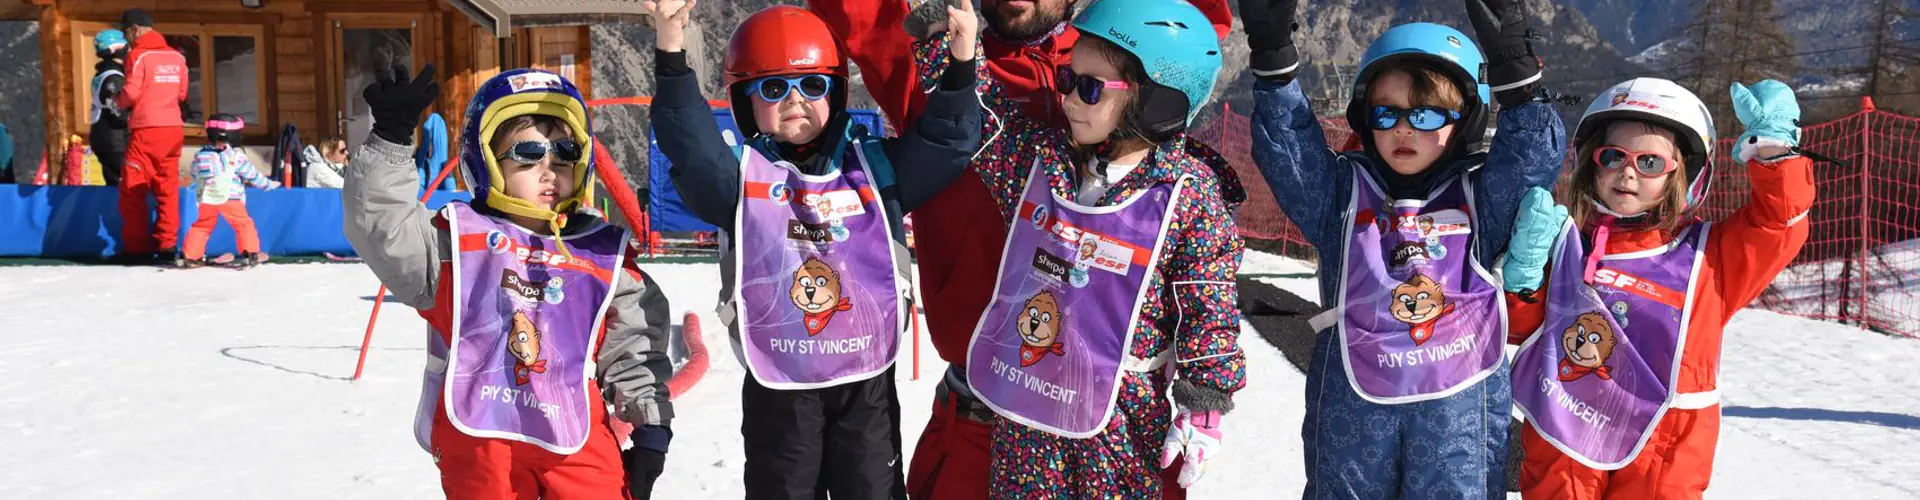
(928, 18)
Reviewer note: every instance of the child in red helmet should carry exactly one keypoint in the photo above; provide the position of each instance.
(816, 289)
(221, 174)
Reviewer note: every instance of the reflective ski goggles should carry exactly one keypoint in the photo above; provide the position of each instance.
(1088, 87)
(564, 151)
(775, 88)
(1423, 118)
(1647, 163)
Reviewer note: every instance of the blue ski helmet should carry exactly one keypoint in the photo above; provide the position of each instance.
(1435, 46)
(106, 40)
(516, 93)
(1176, 46)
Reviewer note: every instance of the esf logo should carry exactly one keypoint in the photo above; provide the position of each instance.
(779, 192)
(1039, 218)
(497, 242)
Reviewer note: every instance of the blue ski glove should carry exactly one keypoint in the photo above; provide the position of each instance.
(1770, 115)
(1538, 227)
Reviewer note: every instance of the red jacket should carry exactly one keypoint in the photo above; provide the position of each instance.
(1743, 254)
(957, 243)
(156, 83)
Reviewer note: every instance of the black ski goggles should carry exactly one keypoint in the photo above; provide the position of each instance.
(1423, 118)
(775, 88)
(564, 151)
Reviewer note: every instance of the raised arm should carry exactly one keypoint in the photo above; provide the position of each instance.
(390, 229)
(1761, 238)
(936, 149)
(704, 168)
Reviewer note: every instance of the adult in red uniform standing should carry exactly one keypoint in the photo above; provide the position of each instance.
(156, 85)
(957, 248)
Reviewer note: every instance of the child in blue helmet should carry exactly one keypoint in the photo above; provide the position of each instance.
(108, 129)
(541, 326)
(1110, 349)
(1406, 393)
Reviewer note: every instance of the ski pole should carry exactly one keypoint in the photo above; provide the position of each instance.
(381, 296)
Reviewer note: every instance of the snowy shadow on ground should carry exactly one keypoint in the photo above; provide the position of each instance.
(235, 353)
(1883, 419)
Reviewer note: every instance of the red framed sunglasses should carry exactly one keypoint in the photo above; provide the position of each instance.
(1647, 163)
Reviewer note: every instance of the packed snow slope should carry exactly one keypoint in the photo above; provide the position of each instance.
(130, 383)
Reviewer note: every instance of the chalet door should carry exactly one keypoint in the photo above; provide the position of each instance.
(363, 46)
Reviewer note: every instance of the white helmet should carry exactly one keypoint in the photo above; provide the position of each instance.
(1664, 103)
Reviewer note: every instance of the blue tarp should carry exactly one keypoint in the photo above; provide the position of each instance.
(665, 207)
(84, 221)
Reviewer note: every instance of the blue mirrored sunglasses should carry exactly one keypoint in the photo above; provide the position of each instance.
(775, 88)
(1423, 118)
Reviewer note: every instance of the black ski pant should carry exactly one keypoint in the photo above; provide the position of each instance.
(804, 444)
(110, 146)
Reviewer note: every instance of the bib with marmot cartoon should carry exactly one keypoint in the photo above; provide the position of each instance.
(1599, 375)
(1050, 349)
(818, 302)
(1419, 318)
(526, 320)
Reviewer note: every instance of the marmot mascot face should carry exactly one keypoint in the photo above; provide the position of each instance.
(1588, 341)
(816, 287)
(1039, 325)
(523, 342)
(1418, 300)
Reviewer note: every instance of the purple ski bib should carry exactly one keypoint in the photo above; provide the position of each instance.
(1599, 375)
(1049, 351)
(526, 319)
(818, 302)
(1419, 317)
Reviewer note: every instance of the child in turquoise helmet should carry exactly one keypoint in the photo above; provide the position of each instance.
(107, 130)
(1407, 395)
(1152, 385)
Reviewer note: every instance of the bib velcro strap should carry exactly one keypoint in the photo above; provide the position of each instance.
(1145, 365)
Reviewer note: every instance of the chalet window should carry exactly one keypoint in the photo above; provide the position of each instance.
(224, 69)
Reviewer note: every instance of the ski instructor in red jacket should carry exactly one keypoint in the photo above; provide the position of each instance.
(156, 85)
(958, 245)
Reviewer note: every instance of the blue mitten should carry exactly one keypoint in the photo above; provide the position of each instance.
(1770, 114)
(1538, 226)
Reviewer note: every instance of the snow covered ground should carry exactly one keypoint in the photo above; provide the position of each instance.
(131, 383)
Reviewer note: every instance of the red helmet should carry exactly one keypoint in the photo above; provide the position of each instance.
(782, 40)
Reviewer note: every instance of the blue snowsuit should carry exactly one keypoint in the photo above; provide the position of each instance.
(1452, 447)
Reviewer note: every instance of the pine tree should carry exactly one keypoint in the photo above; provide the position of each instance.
(1734, 41)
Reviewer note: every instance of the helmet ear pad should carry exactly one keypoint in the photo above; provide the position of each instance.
(1162, 111)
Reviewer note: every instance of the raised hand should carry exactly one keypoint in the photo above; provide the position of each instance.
(397, 101)
(963, 28)
(669, 19)
(1771, 115)
(1270, 25)
(1501, 26)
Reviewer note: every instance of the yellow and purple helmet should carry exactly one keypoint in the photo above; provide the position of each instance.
(512, 94)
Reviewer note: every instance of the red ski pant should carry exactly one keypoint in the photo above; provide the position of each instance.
(236, 213)
(152, 169)
(953, 458)
(1676, 463)
(497, 469)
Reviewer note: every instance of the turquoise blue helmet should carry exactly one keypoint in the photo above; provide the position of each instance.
(1434, 46)
(1176, 45)
(107, 39)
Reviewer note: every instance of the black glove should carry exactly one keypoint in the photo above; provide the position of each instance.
(1512, 68)
(643, 468)
(398, 101)
(646, 459)
(1270, 25)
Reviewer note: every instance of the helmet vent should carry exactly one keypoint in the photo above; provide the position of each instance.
(1169, 24)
